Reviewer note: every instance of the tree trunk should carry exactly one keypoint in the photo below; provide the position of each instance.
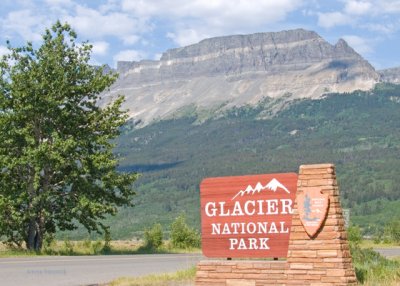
(32, 230)
(40, 233)
(32, 225)
(36, 232)
(35, 235)
(38, 241)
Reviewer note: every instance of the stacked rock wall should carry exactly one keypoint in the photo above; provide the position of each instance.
(320, 260)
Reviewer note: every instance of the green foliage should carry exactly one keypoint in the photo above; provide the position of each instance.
(97, 247)
(57, 166)
(83, 247)
(377, 237)
(68, 248)
(361, 274)
(392, 231)
(354, 235)
(183, 236)
(153, 238)
(373, 268)
(374, 215)
(358, 132)
(181, 277)
(87, 243)
(48, 245)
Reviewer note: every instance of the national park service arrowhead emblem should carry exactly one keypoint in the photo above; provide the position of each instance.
(313, 207)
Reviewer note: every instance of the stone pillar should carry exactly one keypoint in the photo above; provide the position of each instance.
(323, 259)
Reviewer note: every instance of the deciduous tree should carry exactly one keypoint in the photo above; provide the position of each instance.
(57, 167)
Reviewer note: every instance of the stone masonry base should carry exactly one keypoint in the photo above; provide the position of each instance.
(321, 260)
(240, 273)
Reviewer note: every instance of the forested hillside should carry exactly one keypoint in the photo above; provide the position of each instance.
(359, 132)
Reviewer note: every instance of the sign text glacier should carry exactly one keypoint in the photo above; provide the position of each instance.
(247, 216)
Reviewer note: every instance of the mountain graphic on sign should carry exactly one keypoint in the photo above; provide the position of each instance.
(273, 185)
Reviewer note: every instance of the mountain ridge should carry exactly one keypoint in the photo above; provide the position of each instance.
(390, 75)
(231, 71)
(358, 132)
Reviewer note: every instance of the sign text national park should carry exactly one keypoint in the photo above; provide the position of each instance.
(247, 216)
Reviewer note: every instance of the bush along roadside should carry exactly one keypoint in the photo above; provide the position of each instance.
(181, 238)
(371, 267)
(153, 238)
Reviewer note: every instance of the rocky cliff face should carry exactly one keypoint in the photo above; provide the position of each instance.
(223, 72)
(391, 75)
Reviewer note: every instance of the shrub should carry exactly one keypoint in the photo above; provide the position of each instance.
(87, 244)
(373, 268)
(68, 247)
(153, 237)
(97, 247)
(49, 245)
(377, 236)
(361, 274)
(182, 236)
(392, 231)
(354, 234)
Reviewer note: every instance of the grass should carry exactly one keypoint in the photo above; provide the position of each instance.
(6, 251)
(374, 269)
(367, 243)
(182, 277)
(88, 247)
(371, 268)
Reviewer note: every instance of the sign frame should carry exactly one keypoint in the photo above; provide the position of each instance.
(247, 216)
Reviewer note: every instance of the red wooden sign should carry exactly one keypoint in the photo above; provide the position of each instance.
(247, 216)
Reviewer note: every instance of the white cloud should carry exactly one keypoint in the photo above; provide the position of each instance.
(387, 28)
(59, 3)
(100, 48)
(332, 19)
(91, 23)
(130, 39)
(373, 15)
(186, 37)
(388, 6)
(358, 7)
(129, 55)
(26, 24)
(191, 21)
(258, 10)
(142, 7)
(360, 45)
(371, 7)
(110, 5)
(143, 25)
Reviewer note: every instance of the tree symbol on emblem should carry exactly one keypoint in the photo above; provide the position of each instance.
(307, 209)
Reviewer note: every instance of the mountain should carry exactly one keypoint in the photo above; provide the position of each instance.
(333, 107)
(391, 75)
(359, 132)
(232, 71)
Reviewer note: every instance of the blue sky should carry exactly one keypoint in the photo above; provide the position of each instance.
(143, 29)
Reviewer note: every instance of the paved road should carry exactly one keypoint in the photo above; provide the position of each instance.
(90, 270)
(389, 252)
(87, 270)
